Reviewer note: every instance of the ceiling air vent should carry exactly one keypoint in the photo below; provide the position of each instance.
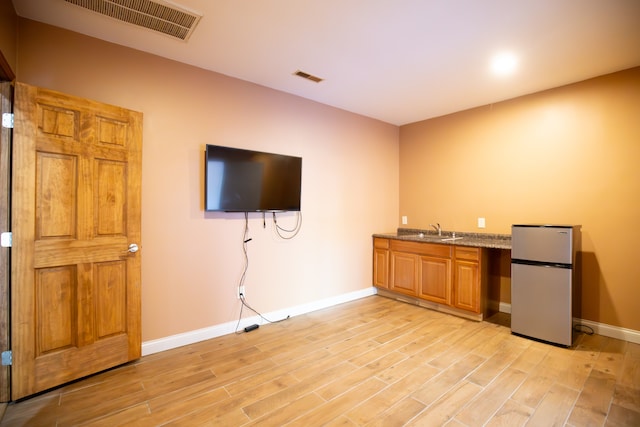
(308, 76)
(154, 15)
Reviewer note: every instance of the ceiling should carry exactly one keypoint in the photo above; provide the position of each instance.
(399, 61)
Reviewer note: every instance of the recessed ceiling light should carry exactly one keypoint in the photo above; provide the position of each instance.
(504, 64)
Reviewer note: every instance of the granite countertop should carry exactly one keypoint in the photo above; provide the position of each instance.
(479, 240)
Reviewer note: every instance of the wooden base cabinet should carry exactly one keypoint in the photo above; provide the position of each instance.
(466, 291)
(380, 262)
(470, 291)
(434, 275)
(421, 269)
(435, 279)
(403, 272)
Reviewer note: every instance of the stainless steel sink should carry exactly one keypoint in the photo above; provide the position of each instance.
(427, 236)
(433, 237)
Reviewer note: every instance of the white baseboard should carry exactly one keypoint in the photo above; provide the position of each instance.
(603, 329)
(191, 337)
(179, 340)
(505, 307)
(617, 332)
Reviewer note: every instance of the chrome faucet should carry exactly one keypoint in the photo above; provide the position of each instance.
(437, 228)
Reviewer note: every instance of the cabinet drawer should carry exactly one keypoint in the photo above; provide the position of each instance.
(464, 252)
(380, 243)
(433, 249)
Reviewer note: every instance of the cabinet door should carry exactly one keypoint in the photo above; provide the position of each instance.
(404, 273)
(435, 279)
(381, 267)
(466, 289)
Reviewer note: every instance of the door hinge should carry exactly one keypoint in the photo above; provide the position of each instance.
(7, 358)
(7, 120)
(6, 239)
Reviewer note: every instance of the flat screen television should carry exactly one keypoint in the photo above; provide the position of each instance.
(238, 180)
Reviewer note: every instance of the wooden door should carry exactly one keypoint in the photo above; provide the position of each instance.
(75, 212)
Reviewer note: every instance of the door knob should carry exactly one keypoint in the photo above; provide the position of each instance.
(133, 248)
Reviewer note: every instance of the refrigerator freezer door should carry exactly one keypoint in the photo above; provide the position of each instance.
(541, 303)
(542, 244)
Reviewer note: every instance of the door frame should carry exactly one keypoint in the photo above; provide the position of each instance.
(6, 106)
(6, 73)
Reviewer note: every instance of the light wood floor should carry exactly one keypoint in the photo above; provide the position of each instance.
(373, 362)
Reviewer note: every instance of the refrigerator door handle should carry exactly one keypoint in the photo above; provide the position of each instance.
(540, 263)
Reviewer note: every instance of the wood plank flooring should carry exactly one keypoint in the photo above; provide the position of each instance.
(371, 362)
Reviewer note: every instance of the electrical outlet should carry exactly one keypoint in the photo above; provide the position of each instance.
(241, 291)
(404, 220)
(481, 223)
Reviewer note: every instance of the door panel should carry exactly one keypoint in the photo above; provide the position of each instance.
(76, 209)
(111, 190)
(111, 293)
(56, 196)
(55, 293)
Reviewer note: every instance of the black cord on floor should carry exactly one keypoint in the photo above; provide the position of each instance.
(584, 329)
(246, 304)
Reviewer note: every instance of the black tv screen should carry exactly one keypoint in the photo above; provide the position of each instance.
(238, 180)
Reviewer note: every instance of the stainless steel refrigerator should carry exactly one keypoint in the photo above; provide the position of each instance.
(543, 281)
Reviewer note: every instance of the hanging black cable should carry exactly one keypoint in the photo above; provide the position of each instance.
(246, 239)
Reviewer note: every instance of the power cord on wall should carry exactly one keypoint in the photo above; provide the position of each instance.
(246, 239)
(295, 230)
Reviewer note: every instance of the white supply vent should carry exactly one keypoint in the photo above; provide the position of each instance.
(154, 15)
